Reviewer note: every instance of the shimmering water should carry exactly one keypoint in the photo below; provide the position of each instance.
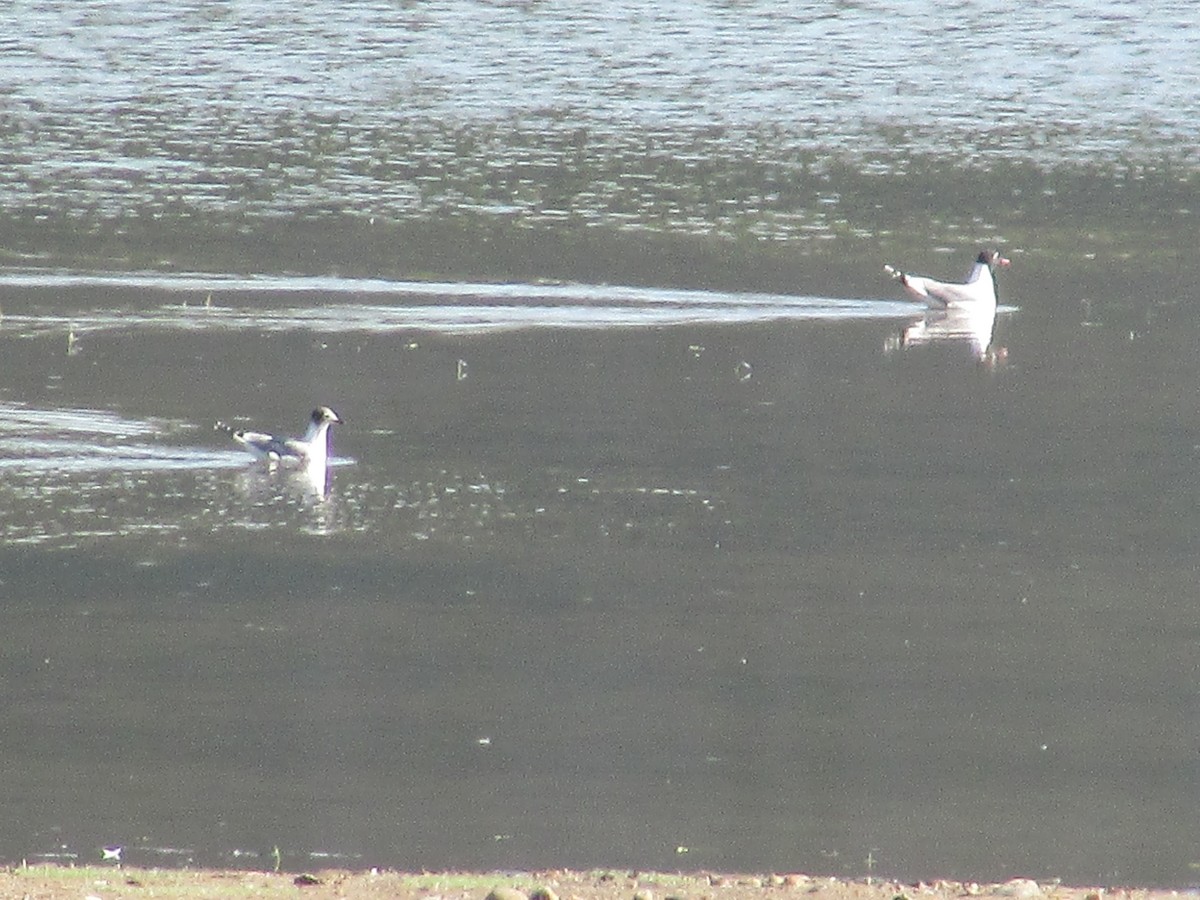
(654, 536)
(715, 143)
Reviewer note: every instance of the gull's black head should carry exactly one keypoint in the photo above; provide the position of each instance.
(325, 414)
(992, 258)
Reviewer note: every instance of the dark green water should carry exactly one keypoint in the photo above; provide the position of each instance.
(705, 575)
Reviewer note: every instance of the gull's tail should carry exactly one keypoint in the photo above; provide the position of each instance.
(901, 277)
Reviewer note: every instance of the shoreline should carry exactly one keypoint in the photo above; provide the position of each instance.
(55, 882)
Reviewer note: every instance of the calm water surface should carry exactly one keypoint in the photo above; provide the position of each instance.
(648, 542)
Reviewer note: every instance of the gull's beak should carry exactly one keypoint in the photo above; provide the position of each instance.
(1002, 261)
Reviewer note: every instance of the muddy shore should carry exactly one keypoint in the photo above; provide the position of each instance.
(59, 882)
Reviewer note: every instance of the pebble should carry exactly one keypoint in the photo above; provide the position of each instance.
(1019, 887)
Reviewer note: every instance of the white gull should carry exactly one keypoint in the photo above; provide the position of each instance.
(312, 450)
(977, 292)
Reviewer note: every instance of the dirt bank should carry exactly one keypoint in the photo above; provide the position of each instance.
(112, 883)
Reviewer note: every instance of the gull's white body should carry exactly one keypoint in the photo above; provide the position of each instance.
(976, 293)
(312, 450)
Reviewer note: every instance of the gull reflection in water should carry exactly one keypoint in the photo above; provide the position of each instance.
(968, 329)
(306, 483)
(314, 479)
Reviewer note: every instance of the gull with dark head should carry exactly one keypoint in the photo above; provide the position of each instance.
(312, 450)
(977, 292)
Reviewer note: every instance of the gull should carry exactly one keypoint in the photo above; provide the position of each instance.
(977, 292)
(312, 450)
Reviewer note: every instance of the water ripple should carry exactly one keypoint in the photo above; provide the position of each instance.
(707, 119)
(214, 303)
